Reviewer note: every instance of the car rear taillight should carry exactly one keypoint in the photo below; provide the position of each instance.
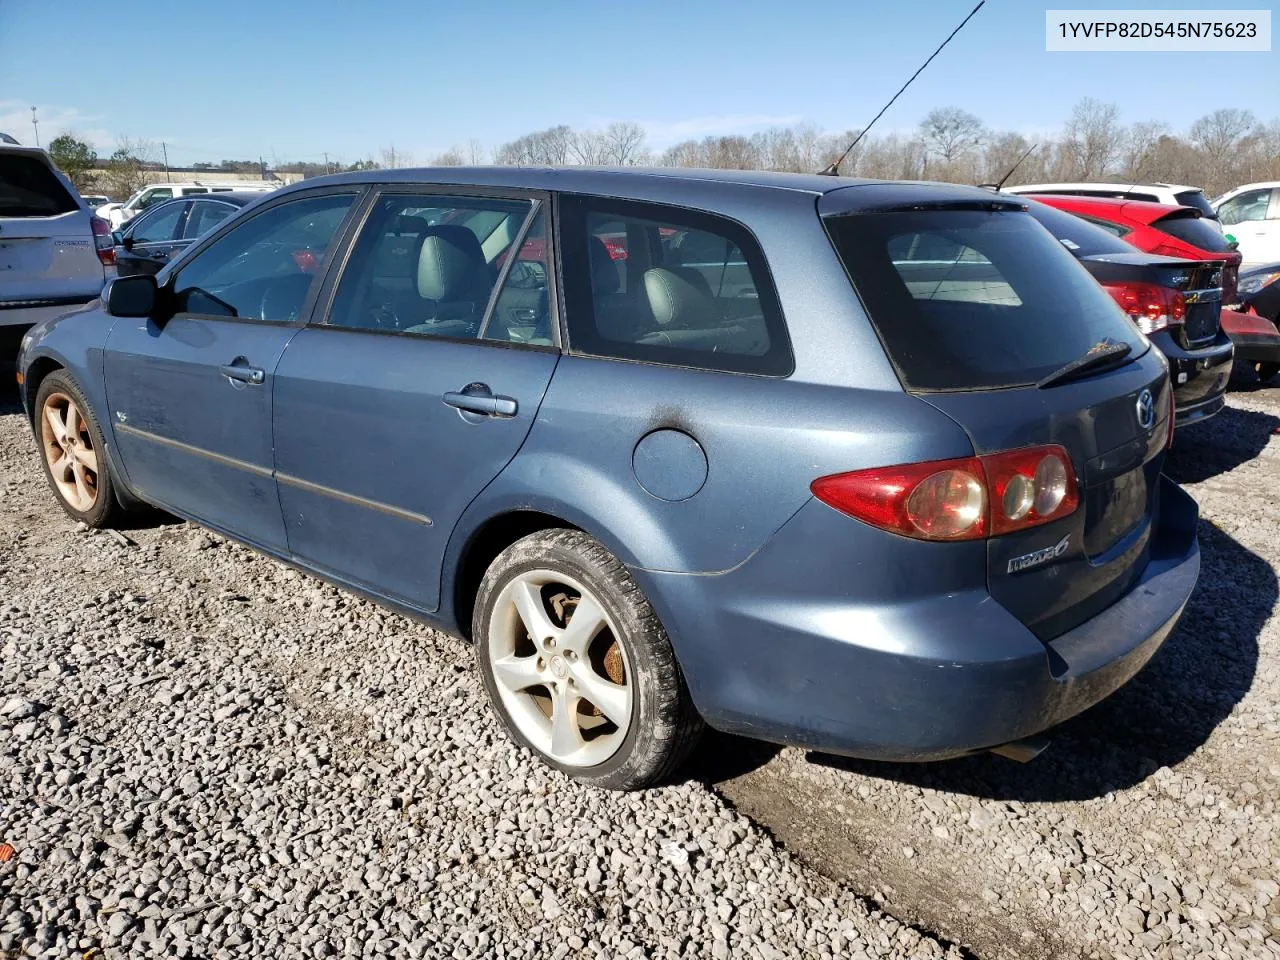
(102, 241)
(967, 499)
(1149, 306)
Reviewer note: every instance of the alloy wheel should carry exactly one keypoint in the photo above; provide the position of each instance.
(560, 669)
(69, 451)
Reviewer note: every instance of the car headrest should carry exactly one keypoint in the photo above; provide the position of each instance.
(604, 273)
(448, 263)
(673, 299)
(414, 225)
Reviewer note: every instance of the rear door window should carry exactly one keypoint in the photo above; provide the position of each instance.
(28, 188)
(204, 216)
(1195, 231)
(974, 300)
(669, 285)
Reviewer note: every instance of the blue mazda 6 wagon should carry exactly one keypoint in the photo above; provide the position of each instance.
(868, 467)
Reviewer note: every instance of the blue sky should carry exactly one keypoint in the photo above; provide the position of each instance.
(295, 78)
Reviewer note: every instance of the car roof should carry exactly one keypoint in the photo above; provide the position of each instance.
(1143, 211)
(1099, 185)
(664, 184)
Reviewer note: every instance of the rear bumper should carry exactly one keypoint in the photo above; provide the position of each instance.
(1199, 376)
(780, 648)
(27, 313)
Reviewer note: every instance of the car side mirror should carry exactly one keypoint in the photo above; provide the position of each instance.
(117, 238)
(130, 296)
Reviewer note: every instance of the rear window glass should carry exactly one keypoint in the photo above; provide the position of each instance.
(28, 188)
(1079, 236)
(1195, 198)
(974, 300)
(1195, 231)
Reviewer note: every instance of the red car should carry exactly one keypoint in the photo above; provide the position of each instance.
(1181, 232)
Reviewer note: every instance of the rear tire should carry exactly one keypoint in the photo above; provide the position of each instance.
(605, 702)
(73, 452)
(1266, 371)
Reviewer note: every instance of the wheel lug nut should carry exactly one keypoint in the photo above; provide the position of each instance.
(541, 664)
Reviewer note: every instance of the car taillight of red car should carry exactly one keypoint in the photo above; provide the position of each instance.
(1149, 306)
(102, 241)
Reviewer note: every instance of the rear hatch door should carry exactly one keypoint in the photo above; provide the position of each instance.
(976, 306)
(47, 249)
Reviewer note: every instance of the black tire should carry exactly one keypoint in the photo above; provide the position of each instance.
(1266, 371)
(105, 512)
(665, 725)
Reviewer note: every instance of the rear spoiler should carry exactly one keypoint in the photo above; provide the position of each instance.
(908, 197)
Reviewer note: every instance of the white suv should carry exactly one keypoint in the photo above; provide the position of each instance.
(1173, 194)
(54, 252)
(1251, 214)
(160, 192)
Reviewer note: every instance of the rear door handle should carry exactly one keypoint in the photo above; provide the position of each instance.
(482, 401)
(242, 373)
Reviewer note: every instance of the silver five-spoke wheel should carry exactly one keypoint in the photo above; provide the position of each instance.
(559, 668)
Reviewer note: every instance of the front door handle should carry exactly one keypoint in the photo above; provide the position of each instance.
(477, 398)
(159, 255)
(244, 374)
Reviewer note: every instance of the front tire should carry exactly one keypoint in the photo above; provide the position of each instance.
(577, 666)
(73, 452)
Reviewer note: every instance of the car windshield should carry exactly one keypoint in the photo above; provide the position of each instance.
(1191, 229)
(974, 300)
(1082, 238)
(28, 188)
(1196, 199)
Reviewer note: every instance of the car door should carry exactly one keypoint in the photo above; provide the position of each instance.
(415, 387)
(1252, 218)
(189, 391)
(150, 240)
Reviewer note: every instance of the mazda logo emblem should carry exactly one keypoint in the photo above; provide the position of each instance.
(1146, 406)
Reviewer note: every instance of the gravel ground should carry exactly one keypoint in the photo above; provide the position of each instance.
(1150, 826)
(206, 754)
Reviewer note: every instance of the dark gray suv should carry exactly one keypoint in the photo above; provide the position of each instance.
(669, 447)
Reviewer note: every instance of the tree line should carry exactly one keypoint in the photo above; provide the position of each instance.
(1217, 152)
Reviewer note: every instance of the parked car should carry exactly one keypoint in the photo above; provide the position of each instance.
(53, 250)
(5, 138)
(95, 200)
(160, 192)
(1251, 215)
(1158, 228)
(1169, 194)
(880, 503)
(1254, 322)
(162, 231)
(1175, 302)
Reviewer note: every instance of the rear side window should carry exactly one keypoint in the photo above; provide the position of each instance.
(669, 285)
(1195, 231)
(28, 188)
(974, 300)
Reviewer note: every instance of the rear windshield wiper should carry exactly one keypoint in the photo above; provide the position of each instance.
(1108, 353)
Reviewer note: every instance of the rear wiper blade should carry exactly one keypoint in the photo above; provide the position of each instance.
(1108, 353)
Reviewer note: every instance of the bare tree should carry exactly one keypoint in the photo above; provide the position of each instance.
(624, 144)
(550, 147)
(1092, 139)
(951, 132)
(1140, 148)
(450, 158)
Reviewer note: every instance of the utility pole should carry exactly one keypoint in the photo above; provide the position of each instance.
(262, 167)
(35, 125)
(326, 161)
(165, 147)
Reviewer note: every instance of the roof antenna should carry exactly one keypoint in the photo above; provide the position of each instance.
(833, 169)
(1003, 179)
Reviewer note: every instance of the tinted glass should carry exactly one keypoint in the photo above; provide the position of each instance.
(1199, 233)
(1115, 229)
(156, 196)
(420, 267)
(668, 285)
(204, 217)
(1248, 206)
(262, 268)
(158, 225)
(1082, 238)
(28, 188)
(522, 312)
(968, 300)
(190, 190)
(1195, 198)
